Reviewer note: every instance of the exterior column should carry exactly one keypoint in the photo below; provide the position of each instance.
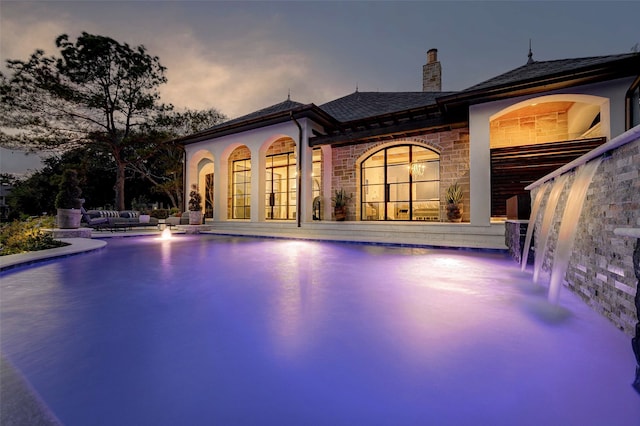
(220, 185)
(480, 168)
(327, 167)
(258, 183)
(305, 204)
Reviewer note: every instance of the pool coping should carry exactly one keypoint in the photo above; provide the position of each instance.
(20, 403)
(76, 245)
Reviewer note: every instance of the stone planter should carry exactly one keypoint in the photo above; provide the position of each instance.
(195, 218)
(69, 218)
(145, 218)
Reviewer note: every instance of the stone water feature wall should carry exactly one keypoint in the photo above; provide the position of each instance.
(601, 267)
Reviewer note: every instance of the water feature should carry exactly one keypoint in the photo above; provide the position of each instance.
(547, 221)
(568, 226)
(602, 276)
(216, 330)
(635, 342)
(534, 215)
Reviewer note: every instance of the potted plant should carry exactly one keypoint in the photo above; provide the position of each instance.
(195, 206)
(68, 201)
(454, 203)
(340, 200)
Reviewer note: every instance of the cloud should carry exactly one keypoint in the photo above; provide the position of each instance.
(237, 76)
(19, 38)
(236, 72)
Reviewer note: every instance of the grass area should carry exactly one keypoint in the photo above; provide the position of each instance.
(28, 235)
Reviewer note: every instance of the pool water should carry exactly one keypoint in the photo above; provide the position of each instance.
(204, 330)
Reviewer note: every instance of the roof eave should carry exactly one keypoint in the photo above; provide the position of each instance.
(406, 129)
(309, 110)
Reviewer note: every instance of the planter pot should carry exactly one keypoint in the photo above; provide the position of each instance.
(69, 218)
(340, 213)
(145, 218)
(195, 218)
(454, 212)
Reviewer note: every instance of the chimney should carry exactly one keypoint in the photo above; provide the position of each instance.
(432, 73)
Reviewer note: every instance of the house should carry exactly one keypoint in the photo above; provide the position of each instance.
(274, 171)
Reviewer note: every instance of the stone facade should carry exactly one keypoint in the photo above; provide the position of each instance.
(529, 130)
(282, 146)
(432, 73)
(514, 236)
(601, 266)
(453, 147)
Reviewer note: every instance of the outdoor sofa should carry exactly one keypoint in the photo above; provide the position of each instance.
(117, 220)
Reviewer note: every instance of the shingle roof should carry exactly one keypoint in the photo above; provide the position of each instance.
(361, 105)
(542, 69)
(280, 107)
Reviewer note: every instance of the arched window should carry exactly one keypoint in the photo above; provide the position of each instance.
(401, 182)
(280, 180)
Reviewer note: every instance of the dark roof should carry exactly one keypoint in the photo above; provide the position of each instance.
(359, 105)
(287, 105)
(278, 113)
(541, 69)
(542, 76)
(371, 114)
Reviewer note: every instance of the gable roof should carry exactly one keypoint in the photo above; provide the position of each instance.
(360, 105)
(539, 76)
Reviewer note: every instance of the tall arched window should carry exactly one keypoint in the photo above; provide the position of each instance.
(280, 180)
(281, 186)
(401, 183)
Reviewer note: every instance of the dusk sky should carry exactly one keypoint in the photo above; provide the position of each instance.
(242, 56)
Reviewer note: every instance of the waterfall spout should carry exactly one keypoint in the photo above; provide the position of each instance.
(569, 225)
(532, 223)
(547, 221)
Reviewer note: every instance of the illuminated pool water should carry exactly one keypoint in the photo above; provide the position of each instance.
(240, 331)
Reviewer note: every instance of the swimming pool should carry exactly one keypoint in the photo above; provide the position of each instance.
(206, 330)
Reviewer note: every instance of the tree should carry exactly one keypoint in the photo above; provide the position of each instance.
(162, 162)
(98, 92)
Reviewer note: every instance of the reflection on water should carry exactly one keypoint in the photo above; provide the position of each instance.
(201, 330)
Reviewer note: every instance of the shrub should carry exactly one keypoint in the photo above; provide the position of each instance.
(159, 213)
(195, 200)
(69, 192)
(20, 237)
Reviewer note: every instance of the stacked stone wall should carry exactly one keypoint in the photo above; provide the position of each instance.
(453, 147)
(533, 129)
(601, 265)
(282, 146)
